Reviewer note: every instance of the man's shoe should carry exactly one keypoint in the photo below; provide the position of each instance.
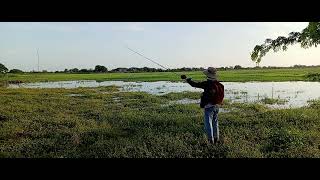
(216, 140)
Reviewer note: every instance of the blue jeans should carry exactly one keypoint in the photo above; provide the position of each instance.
(211, 122)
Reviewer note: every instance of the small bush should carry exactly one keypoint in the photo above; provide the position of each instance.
(313, 76)
(15, 71)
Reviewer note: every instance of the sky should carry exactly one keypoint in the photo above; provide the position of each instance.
(69, 45)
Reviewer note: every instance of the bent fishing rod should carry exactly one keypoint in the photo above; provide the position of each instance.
(150, 60)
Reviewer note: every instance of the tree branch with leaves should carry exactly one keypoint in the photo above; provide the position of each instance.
(308, 37)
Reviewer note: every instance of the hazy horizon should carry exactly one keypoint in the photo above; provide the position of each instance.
(173, 44)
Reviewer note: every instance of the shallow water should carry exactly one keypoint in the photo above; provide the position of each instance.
(296, 93)
(186, 101)
(75, 95)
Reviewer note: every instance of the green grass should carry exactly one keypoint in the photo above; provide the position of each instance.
(230, 75)
(105, 122)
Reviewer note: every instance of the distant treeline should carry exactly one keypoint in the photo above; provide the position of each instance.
(103, 69)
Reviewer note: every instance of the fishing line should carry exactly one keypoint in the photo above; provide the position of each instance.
(151, 60)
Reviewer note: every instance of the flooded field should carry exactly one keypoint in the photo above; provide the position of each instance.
(288, 94)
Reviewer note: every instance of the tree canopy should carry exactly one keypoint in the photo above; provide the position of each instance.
(14, 71)
(3, 69)
(308, 37)
(237, 67)
(100, 69)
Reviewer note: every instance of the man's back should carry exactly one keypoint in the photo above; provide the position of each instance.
(210, 94)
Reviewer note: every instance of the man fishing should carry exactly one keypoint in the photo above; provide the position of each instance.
(210, 99)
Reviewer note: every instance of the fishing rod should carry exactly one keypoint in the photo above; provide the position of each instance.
(150, 60)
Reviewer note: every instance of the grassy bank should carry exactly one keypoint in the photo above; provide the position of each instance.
(230, 75)
(103, 122)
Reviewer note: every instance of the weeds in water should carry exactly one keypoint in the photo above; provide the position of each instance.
(267, 100)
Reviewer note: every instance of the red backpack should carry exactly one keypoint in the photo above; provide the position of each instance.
(219, 93)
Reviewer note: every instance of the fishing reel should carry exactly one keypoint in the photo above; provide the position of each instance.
(183, 77)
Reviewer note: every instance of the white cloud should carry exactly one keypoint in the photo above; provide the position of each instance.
(11, 52)
(280, 28)
(130, 27)
(51, 26)
(135, 27)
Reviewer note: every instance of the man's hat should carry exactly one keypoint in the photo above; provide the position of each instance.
(211, 73)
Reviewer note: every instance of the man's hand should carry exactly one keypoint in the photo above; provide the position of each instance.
(183, 77)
